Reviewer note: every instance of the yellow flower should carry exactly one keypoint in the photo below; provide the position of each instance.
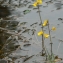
(45, 23)
(53, 28)
(39, 1)
(46, 35)
(40, 33)
(35, 4)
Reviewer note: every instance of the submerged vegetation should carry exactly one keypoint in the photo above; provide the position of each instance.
(16, 36)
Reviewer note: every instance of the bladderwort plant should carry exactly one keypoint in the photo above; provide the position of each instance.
(50, 56)
(36, 4)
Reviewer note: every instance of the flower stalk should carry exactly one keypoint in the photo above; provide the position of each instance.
(50, 39)
(42, 30)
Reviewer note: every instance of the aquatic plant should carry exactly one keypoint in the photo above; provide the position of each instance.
(11, 36)
(36, 4)
(49, 58)
(42, 33)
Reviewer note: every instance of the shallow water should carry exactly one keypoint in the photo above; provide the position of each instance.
(48, 12)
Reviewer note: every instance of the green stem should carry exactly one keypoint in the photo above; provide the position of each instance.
(50, 39)
(41, 28)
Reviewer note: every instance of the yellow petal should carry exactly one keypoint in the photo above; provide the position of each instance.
(35, 4)
(46, 35)
(40, 33)
(53, 28)
(45, 23)
(39, 1)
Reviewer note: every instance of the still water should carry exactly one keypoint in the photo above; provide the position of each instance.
(51, 11)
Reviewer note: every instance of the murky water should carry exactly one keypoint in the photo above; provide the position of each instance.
(51, 12)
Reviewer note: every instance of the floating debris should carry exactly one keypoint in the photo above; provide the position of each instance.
(17, 46)
(35, 8)
(34, 23)
(24, 27)
(27, 30)
(22, 5)
(33, 31)
(53, 37)
(60, 40)
(27, 58)
(58, 5)
(26, 11)
(58, 8)
(33, 0)
(57, 59)
(31, 25)
(25, 1)
(25, 41)
(23, 23)
(49, 2)
(30, 39)
(40, 24)
(60, 18)
(38, 11)
(30, 6)
(26, 45)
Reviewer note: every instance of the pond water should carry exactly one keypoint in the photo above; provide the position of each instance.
(51, 11)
